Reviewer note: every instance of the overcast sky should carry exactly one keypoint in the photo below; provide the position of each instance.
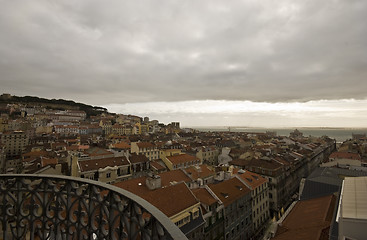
(201, 62)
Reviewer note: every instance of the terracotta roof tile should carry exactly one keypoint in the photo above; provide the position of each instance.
(308, 219)
(182, 158)
(202, 171)
(35, 154)
(145, 145)
(157, 166)
(174, 176)
(162, 198)
(95, 164)
(138, 158)
(48, 161)
(204, 196)
(345, 155)
(230, 190)
(97, 151)
(253, 179)
(121, 145)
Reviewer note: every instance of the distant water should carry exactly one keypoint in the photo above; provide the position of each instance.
(339, 134)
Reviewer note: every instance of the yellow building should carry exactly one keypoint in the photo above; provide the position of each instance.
(118, 129)
(3, 125)
(145, 148)
(180, 161)
(15, 142)
(163, 153)
(106, 126)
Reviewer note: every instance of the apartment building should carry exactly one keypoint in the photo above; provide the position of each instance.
(108, 170)
(260, 199)
(175, 200)
(208, 155)
(14, 143)
(236, 198)
(145, 148)
(180, 161)
(213, 212)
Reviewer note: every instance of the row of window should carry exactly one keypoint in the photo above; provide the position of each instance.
(260, 209)
(259, 222)
(238, 230)
(259, 198)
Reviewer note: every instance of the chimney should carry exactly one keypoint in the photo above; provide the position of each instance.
(153, 182)
(58, 168)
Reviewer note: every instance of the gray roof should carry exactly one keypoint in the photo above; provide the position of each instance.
(323, 181)
(326, 174)
(314, 189)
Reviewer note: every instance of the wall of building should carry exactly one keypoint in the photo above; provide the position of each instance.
(238, 221)
(352, 228)
(260, 208)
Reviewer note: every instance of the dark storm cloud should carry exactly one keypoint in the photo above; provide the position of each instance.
(140, 51)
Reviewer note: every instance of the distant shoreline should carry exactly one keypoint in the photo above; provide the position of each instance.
(244, 127)
(339, 134)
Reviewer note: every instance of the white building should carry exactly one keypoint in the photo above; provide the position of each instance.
(352, 210)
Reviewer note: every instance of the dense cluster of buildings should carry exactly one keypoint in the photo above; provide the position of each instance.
(212, 185)
(331, 202)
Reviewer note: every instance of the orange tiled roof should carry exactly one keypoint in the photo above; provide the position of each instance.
(77, 147)
(35, 154)
(95, 164)
(97, 151)
(174, 176)
(135, 158)
(145, 145)
(268, 165)
(170, 200)
(308, 219)
(230, 190)
(204, 196)
(157, 166)
(203, 172)
(182, 158)
(48, 161)
(252, 179)
(345, 155)
(121, 145)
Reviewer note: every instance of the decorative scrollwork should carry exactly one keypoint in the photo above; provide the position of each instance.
(50, 207)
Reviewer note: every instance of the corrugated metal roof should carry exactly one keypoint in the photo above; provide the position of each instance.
(354, 203)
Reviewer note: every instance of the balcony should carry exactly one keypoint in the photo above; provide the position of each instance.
(60, 207)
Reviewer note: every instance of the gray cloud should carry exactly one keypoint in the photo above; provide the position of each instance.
(141, 51)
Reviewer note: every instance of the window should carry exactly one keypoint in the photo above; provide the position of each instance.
(108, 175)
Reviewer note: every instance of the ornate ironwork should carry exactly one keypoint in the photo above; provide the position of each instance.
(59, 207)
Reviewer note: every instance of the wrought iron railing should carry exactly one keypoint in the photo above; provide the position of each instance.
(60, 207)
